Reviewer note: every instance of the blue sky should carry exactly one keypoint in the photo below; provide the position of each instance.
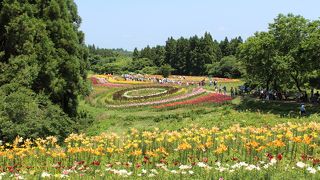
(137, 23)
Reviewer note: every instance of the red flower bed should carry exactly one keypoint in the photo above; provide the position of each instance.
(214, 98)
(94, 81)
(100, 82)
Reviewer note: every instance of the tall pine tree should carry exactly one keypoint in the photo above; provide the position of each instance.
(42, 48)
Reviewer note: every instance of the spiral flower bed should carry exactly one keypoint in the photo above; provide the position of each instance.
(195, 92)
(162, 90)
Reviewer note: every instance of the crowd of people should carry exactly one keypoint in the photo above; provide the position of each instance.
(300, 97)
(179, 80)
(284, 95)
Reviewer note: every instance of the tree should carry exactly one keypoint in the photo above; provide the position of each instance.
(166, 70)
(258, 56)
(43, 49)
(147, 52)
(150, 70)
(208, 52)
(43, 64)
(159, 55)
(219, 54)
(139, 64)
(181, 56)
(170, 48)
(224, 46)
(227, 67)
(193, 64)
(289, 33)
(311, 48)
(289, 53)
(234, 44)
(136, 54)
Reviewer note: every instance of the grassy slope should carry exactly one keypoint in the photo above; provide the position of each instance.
(241, 111)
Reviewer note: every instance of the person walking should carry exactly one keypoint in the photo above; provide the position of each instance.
(232, 92)
(220, 89)
(303, 110)
(224, 90)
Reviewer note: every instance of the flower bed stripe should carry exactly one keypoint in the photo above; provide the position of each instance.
(103, 82)
(214, 97)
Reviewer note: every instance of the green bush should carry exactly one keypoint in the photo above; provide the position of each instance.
(150, 70)
(228, 67)
(29, 115)
(166, 70)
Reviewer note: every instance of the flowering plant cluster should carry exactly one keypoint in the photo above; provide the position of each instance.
(214, 97)
(102, 82)
(283, 151)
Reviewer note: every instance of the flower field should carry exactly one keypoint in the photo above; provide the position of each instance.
(283, 151)
(137, 93)
(198, 136)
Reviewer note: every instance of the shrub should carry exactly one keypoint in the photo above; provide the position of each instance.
(26, 114)
(166, 70)
(228, 67)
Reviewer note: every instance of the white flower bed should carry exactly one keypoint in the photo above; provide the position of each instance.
(126, 94)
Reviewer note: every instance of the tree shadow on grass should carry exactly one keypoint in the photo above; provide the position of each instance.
(281, 108)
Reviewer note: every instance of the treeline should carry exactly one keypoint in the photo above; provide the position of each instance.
(285, 57)
(43, 69)
(196, 56)
(108, 61)
(192, 56)
(103, 52)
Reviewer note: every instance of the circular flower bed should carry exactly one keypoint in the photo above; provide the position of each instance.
(144, 92)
